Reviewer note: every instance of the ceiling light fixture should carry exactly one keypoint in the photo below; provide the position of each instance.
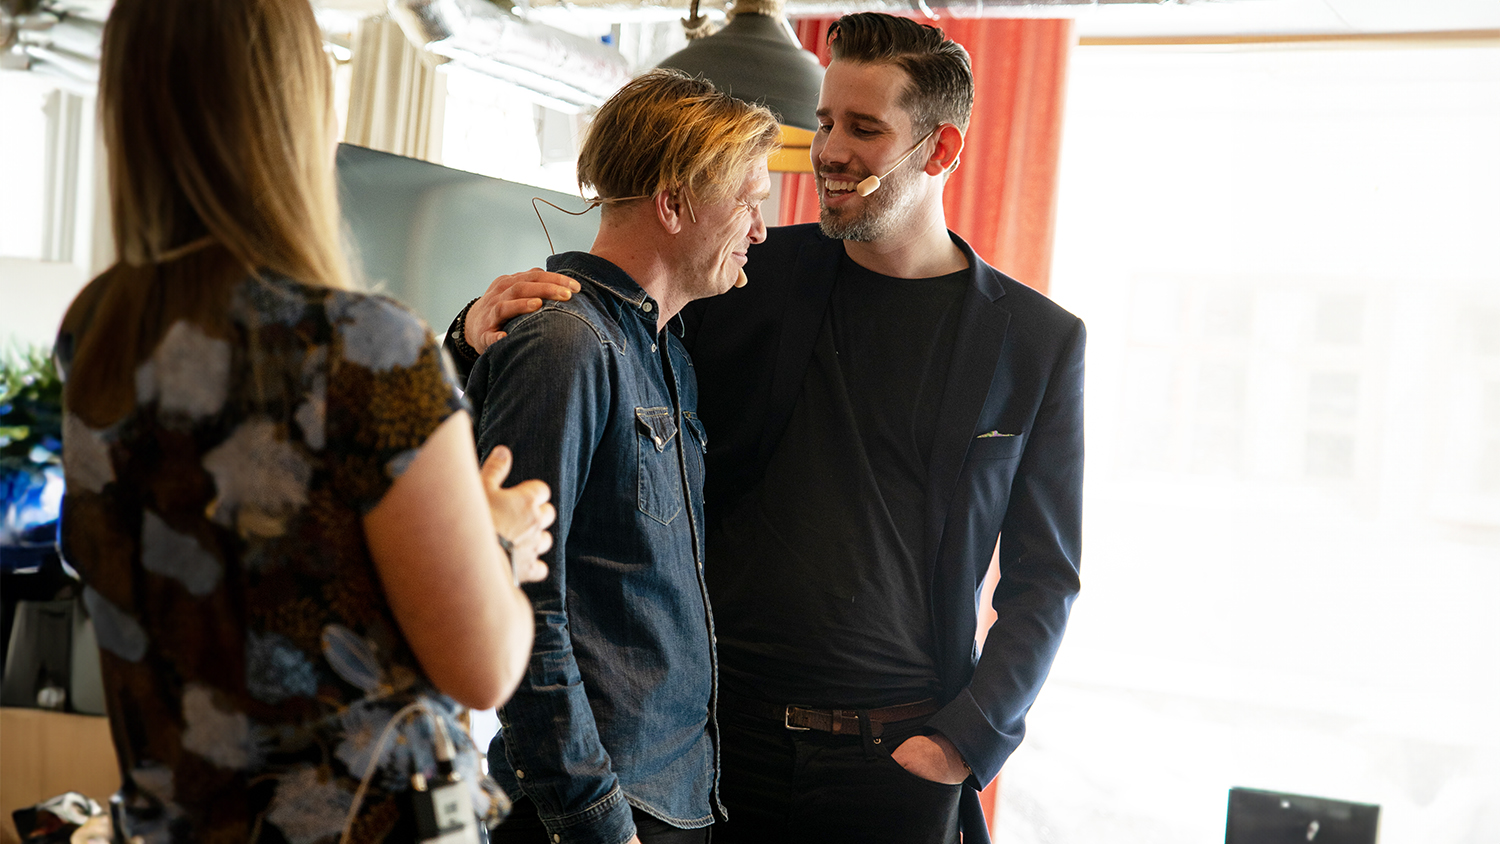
(756, 58)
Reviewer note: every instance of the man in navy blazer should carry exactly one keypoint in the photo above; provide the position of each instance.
(882, 409)
(826, 399)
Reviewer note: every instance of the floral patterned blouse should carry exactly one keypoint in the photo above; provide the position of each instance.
(251, 663)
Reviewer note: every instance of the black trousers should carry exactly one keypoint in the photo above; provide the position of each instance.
(524, 826)
(782, 785)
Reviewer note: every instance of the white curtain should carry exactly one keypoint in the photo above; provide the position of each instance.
(396, 94)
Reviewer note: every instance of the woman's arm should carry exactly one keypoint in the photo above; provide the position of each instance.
(432, 538)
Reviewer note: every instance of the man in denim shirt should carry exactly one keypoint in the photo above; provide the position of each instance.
(612, 735)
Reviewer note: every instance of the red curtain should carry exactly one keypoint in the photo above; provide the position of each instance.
(1003, 197)
(799, 193)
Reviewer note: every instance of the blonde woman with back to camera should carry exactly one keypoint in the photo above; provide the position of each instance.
(288, 552)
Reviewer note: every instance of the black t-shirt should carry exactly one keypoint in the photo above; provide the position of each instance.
(820, 589)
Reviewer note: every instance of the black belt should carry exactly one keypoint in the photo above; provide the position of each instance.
(836, 721)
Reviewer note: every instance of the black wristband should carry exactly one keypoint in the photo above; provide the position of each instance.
(456, 334)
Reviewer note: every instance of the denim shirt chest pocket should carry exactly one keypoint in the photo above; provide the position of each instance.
(659, 475)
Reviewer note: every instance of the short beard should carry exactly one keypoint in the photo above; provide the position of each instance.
(883, 213)
(863, 228)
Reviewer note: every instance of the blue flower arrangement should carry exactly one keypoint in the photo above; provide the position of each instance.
(30, 447)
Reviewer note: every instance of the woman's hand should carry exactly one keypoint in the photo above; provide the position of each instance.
(521, 514)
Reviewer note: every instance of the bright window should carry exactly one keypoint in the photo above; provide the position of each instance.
(1289, 263)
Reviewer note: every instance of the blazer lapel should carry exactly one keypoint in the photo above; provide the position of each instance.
(976, 350)
(812, 285)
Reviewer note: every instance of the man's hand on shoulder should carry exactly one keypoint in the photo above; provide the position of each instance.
(510, 296)
(932, 758)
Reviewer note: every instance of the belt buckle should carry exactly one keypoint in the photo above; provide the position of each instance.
(786, 721)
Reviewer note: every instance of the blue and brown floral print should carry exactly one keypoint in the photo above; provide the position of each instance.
(251, 665)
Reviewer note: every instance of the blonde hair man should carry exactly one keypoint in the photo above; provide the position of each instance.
(612, 734)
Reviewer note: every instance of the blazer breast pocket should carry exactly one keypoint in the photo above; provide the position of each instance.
(996, 447)
(659, 478)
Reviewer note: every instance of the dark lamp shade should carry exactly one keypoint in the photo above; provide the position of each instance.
(753, 58)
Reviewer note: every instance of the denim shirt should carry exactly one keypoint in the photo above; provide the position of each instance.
(617, 705)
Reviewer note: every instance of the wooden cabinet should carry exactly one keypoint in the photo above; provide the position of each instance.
(43, 754)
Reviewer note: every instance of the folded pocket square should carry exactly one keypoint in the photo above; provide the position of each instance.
(989, 434)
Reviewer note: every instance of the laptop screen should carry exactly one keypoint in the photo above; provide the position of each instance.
(1270, 817)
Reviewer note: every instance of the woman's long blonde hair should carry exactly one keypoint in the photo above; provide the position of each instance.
(218, 120)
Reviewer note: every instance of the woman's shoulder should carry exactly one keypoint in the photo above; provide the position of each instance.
(376, 331)
(82, 312)
(363, 322)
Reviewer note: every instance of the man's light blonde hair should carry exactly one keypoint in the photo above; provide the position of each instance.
(666, 131)
(218, 120)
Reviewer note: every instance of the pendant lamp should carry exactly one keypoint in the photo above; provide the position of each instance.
(755, 58)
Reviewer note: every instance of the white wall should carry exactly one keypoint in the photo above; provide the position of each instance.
(35, 296)
(53, 220)
(1289, 267)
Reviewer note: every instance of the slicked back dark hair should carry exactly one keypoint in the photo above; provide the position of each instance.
(941, 89)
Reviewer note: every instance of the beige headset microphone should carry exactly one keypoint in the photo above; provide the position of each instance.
(870, 183)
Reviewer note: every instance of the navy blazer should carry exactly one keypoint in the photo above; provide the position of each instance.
(1006, 465)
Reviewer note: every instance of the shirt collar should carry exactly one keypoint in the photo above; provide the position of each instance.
(610, 278)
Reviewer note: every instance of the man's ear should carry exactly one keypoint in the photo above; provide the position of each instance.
(669, 210)
(950, 144)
